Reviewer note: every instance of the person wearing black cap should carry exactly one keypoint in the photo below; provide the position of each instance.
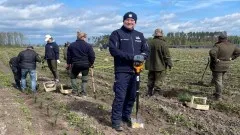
(27, 61)
(126, 45)
(221, 55)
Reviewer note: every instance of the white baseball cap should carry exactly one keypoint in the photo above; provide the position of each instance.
(47, 37)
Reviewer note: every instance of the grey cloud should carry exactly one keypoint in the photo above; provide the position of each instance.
(24, 3)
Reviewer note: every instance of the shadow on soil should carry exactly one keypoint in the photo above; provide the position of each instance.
(175, 92)
(92, 109)
(200, 84)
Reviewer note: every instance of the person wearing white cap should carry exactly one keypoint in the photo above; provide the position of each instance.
(52, 56)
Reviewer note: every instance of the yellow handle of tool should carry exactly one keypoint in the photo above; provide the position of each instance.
(138, 67)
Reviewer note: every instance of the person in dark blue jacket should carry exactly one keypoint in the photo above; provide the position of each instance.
(126, 45)
(52, 56)
(80, 57)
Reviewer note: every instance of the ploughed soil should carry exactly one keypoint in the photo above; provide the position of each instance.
(48, 113)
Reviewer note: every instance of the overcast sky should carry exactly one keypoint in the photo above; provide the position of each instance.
(62, 18)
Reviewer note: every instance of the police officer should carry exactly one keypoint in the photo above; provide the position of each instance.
(220, 59)
(125, 45)
(157, 62)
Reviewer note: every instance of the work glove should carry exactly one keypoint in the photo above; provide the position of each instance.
(58, 61)
(138, 58)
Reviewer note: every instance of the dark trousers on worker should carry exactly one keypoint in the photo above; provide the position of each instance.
(52, 64)
(155, 81)
(218, 82)
(76, 69)
(125, 94)
(17, 76)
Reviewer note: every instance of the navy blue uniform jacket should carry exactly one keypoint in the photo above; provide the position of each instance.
(123, 45)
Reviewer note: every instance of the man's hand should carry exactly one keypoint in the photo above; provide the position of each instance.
(58, 61)
(138, 58)
(68, 66)
(217, 60)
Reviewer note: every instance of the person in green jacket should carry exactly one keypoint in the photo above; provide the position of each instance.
(65, 50)
(221, 55)
(157, 62)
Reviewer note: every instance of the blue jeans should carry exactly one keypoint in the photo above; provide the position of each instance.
(32, 73)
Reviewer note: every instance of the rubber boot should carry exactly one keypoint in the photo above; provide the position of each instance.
(75, 86)
(84, 87)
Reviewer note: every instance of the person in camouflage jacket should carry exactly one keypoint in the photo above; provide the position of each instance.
(221, 55)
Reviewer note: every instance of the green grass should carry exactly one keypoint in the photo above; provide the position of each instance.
(180, 84)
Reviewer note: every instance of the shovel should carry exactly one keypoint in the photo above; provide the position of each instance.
(137, 123)
(93, 84)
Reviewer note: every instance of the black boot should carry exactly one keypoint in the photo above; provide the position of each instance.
(128, 121)
(118, 128)
(149, 92)
(217, 97)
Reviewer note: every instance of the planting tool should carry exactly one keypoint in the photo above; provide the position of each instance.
(201, 81)
(93, 84)
(137, 123)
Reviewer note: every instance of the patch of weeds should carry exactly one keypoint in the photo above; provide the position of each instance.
(179, 119)
(102, 107)
(184, 97)
(227, 108)
(26, 112)
(167, 131)
(176, 118)
(6, 80)
(198, 126)
(64, 133)
(198, 101)
(81, 122)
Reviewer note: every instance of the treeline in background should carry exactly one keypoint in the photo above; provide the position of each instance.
(174, 39)
(11, 39)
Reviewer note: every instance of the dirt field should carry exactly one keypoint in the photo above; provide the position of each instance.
(164, 113)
